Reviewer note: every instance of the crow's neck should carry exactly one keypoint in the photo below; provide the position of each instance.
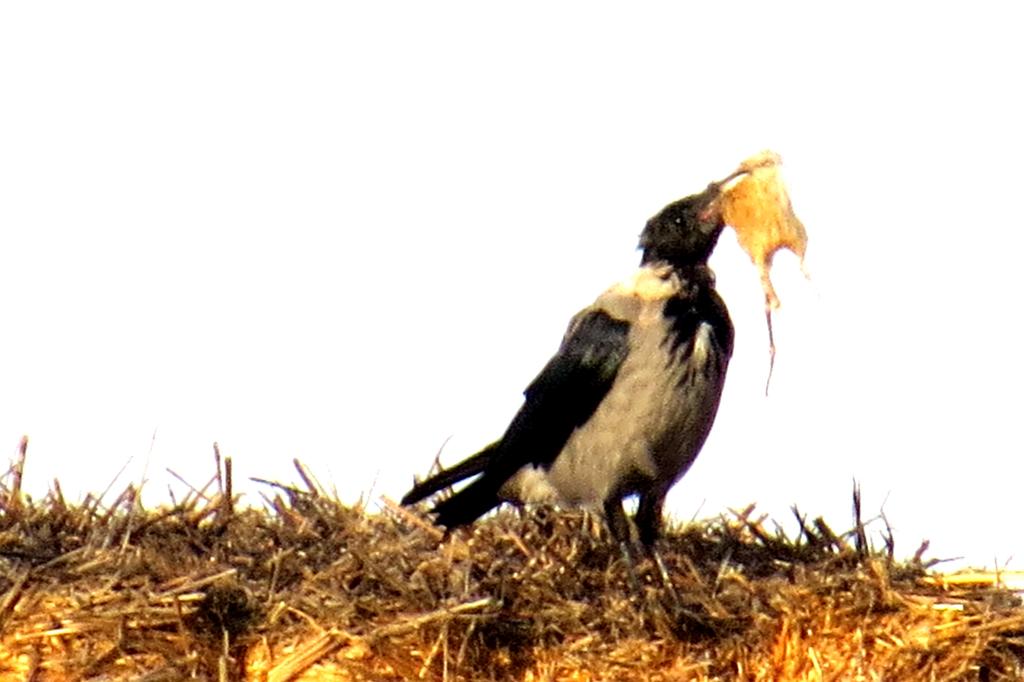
(696, 274)
(679, 259)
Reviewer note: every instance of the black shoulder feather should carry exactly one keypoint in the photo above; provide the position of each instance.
(562, 397)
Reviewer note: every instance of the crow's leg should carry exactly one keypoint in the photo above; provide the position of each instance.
(648, 519)
(615, 516)
(648, 525)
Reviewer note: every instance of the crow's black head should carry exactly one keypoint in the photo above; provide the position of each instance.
(685, 232)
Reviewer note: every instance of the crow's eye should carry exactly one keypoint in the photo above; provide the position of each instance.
(678, 221)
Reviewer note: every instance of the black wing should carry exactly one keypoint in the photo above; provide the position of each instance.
(562, 397)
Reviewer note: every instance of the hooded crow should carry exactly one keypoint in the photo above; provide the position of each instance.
(625, 405)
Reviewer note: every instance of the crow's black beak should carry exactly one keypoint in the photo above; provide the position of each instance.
(729, 178)
(716, 189)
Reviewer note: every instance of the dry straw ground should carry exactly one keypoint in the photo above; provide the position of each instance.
(307, 588)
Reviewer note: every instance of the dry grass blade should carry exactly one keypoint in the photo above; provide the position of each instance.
(306, 655)
(309, 588)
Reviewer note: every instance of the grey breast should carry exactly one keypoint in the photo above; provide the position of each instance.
(654, 419)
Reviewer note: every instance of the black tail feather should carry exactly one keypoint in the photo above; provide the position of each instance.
(467, 505)
(449, 477)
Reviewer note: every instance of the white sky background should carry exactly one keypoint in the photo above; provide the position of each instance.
(344, 233)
